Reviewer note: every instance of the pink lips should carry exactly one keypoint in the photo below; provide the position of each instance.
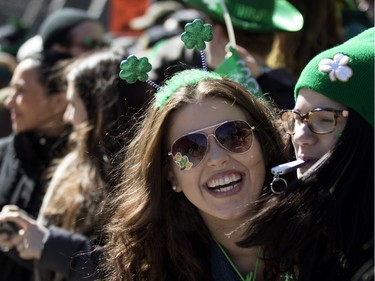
(14, 115)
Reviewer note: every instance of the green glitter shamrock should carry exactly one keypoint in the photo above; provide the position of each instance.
(133, 69)
(196, 33)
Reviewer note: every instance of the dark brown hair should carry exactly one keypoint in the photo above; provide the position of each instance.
(155, 233)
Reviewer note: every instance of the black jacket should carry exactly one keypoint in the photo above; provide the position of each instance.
(73, 255)
(24, 159)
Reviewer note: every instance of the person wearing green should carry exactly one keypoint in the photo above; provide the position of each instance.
(322, 226)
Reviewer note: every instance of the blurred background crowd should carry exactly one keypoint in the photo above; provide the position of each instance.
(67, 53)
(141, 24)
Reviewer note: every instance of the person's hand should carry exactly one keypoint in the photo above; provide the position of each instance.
(8, 239)
(256, 69)
(29, 239)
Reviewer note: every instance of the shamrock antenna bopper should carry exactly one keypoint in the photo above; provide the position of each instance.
(133, 69)
(196, 35)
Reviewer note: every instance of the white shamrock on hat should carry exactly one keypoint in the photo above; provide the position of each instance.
(212, 4)
(337, 68)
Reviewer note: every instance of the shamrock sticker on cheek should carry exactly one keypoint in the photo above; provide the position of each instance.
(182, 161)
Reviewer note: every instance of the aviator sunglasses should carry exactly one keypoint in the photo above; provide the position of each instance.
(234, 136)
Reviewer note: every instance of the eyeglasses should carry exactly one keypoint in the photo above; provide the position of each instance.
(234, 136)
(320, 121)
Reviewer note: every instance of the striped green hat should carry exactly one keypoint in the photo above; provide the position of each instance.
(345, 73)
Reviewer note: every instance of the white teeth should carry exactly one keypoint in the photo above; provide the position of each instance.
(233, 178)
(224, 189)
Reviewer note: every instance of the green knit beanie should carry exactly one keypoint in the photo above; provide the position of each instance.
(345, 74)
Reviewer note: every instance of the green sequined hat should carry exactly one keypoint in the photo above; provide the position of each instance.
(266, 16)
(345, 73)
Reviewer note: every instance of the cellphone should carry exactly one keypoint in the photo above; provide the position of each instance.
(9, 228)
(288, 167)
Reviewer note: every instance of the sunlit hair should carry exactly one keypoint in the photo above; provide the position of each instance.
(155, 233)
(88, 173)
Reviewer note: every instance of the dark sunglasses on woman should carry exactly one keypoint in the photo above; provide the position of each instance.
(235, 136)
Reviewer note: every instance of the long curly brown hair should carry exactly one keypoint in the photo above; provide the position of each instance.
(155, 233)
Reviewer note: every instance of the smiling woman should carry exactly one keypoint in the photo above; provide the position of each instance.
(37, 103)
(197, 162)
(32, 105)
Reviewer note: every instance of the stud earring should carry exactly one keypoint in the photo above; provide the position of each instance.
(174, 188)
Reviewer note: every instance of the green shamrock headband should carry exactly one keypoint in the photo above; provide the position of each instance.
(195, 35)
(182, 78)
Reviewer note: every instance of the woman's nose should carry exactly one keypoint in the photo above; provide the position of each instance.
(303, 135)
(67, 117)
(216, 154)
(9, 101)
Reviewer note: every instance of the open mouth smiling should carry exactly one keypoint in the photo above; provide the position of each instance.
(224, 184)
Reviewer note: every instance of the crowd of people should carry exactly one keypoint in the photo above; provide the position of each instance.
(153, 158)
